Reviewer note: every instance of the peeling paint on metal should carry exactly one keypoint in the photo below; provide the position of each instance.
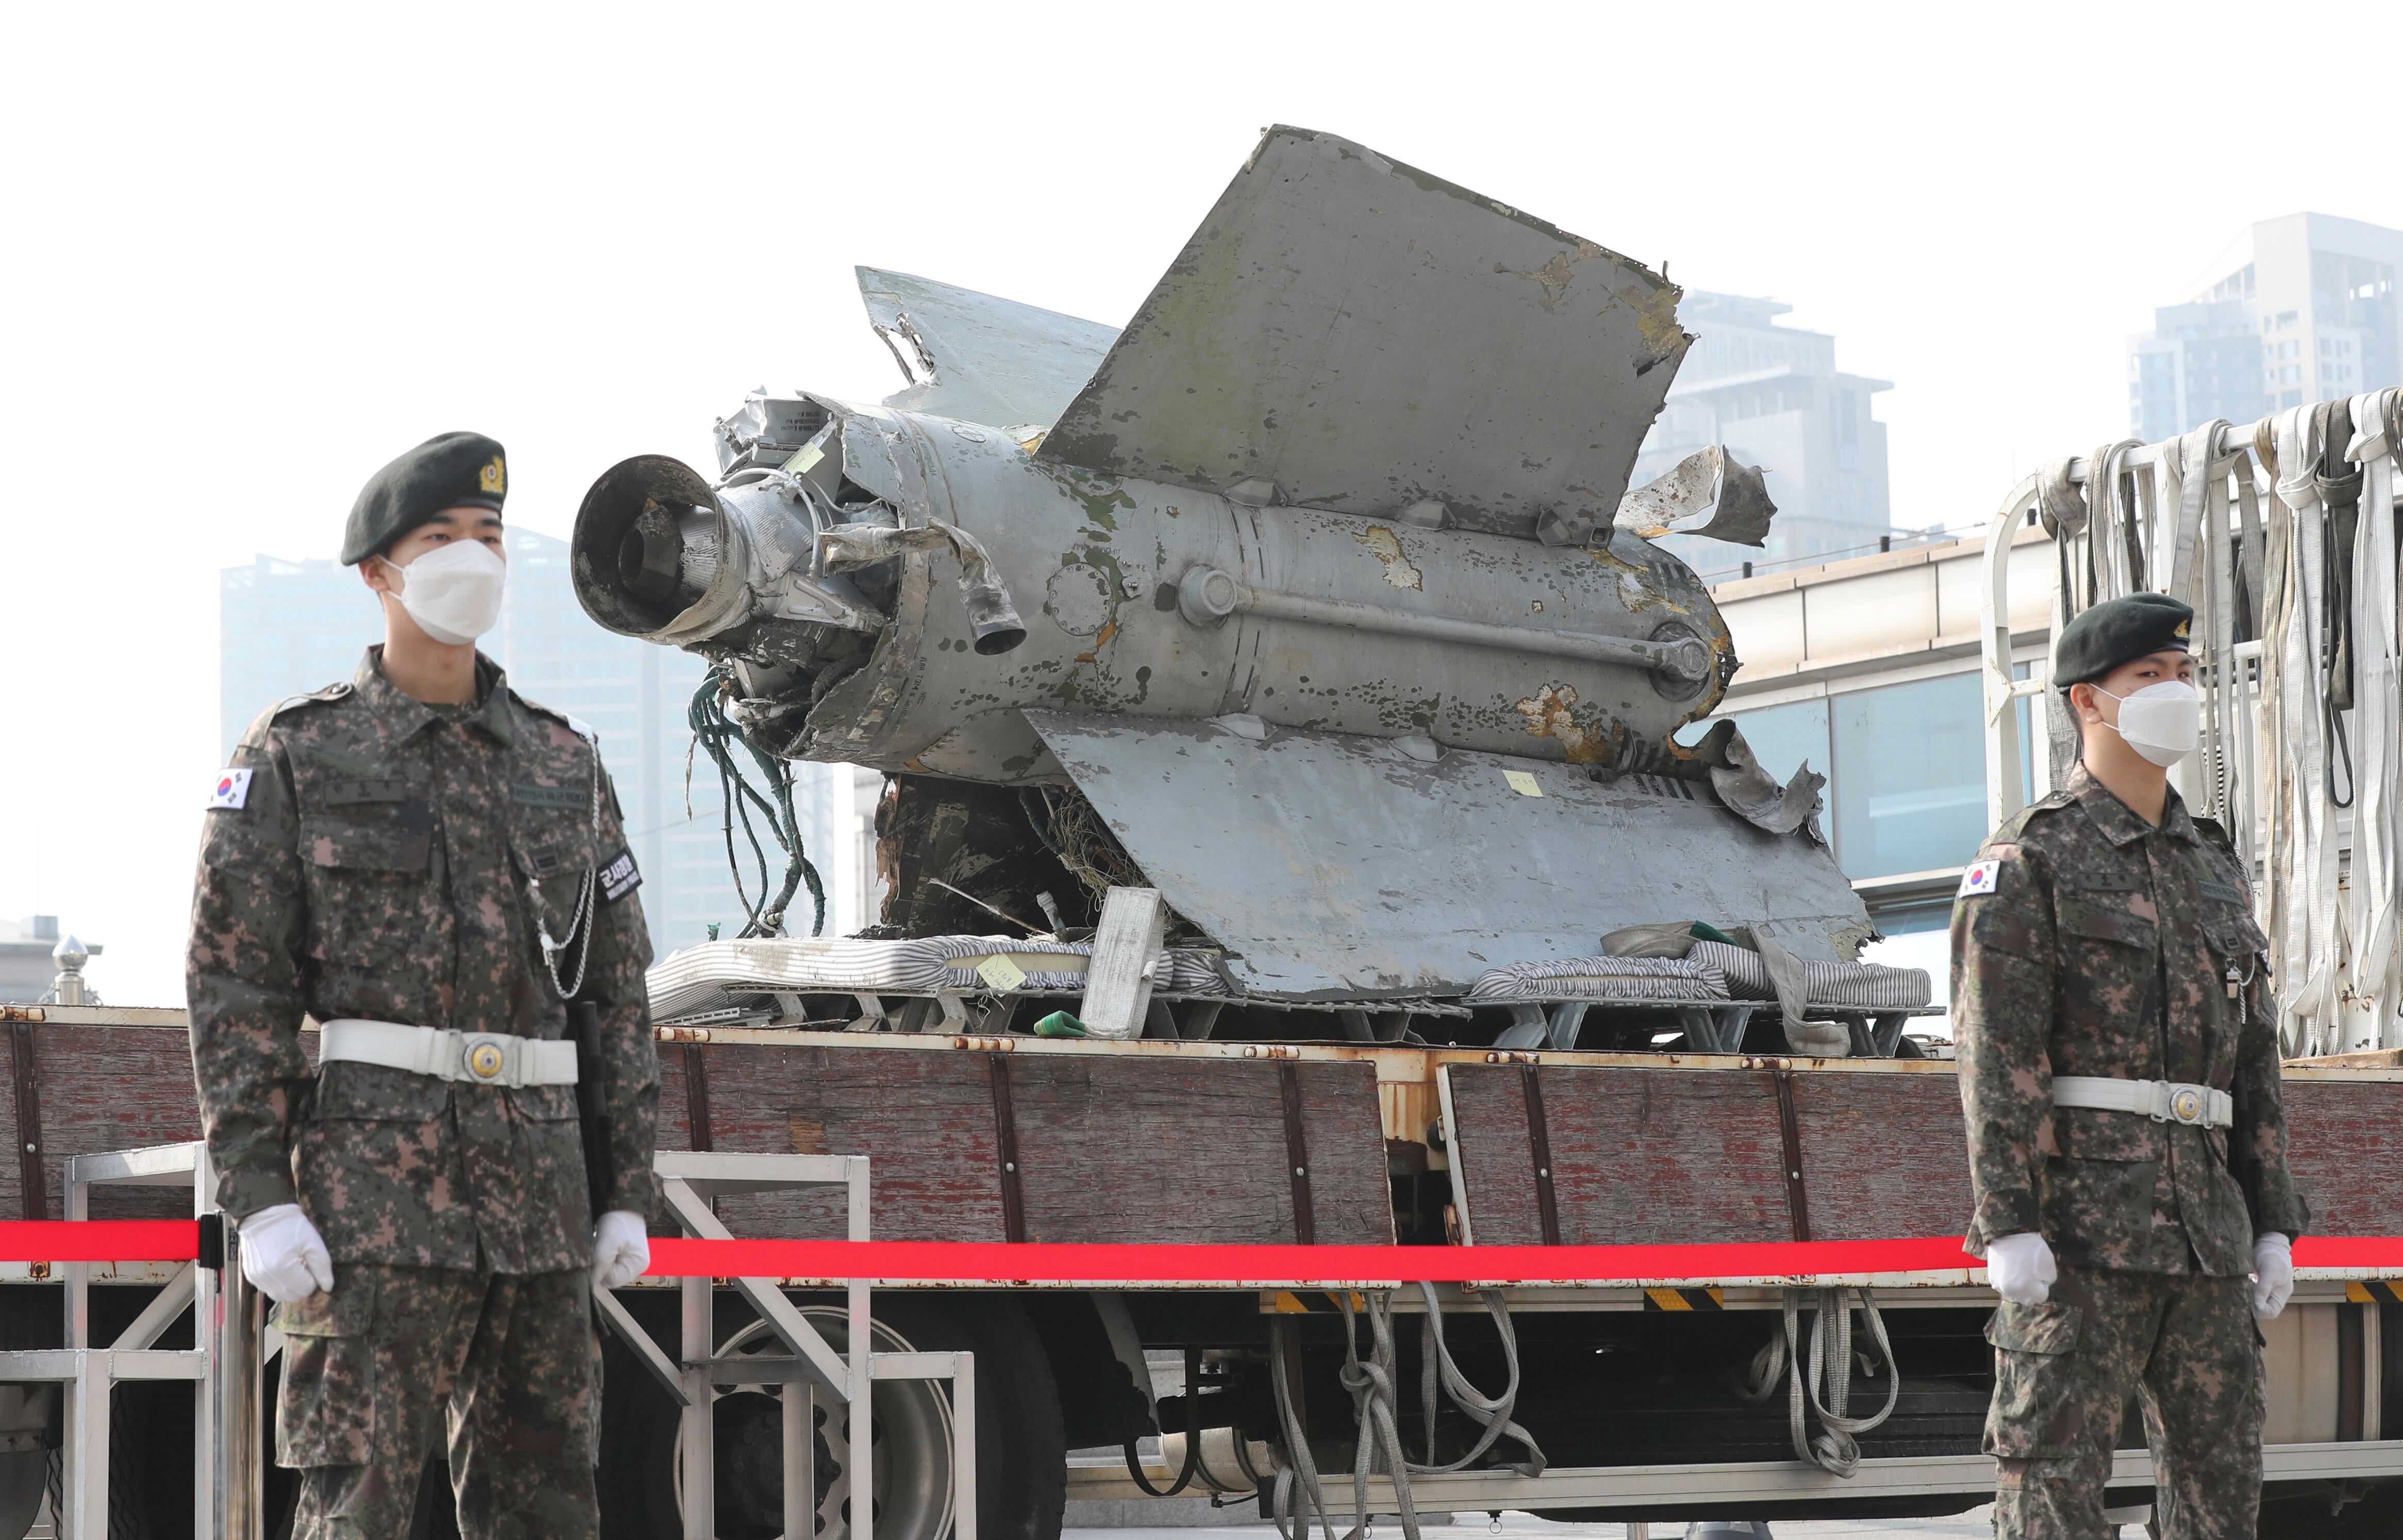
(1551, 712)
(1387, 548)
(1656, 319)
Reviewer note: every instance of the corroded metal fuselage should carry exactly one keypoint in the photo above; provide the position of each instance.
(1098, 566)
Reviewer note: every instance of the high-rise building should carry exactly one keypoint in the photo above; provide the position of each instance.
(2295, 309)
(1773, 397)
(289, 627)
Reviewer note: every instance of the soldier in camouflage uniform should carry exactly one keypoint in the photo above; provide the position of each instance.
(401, 853)
(2104, 954)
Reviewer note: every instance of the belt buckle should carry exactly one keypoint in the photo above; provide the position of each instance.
(2188, 1105)
(484, 1057)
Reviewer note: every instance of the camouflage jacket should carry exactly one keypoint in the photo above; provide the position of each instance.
(384, 861)
(2086, 941)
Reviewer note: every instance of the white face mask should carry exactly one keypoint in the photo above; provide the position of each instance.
(2162, 722)
(453, 591)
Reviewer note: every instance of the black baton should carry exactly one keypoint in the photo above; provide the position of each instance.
(592, 1116)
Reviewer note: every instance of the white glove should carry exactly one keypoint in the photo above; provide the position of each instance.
(2021, 1268)
(283, 1255)
(2273, 1274)
(621, 1249)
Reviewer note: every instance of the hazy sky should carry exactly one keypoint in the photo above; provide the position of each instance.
(253, 253)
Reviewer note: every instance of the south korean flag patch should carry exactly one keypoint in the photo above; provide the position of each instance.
(232, 789)
(1979, 878)
(618, 877)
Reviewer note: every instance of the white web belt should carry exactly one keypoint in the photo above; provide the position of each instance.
(479, 1058)
(2163, 1101)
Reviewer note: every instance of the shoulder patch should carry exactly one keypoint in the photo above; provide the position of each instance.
(232, 789)
(1977, 878)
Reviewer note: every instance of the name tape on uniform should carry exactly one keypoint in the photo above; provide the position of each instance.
(232, 789)
(1979, 878)
(619, 875)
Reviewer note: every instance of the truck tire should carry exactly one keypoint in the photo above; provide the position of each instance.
(1022, 1463)
(2377, 1515)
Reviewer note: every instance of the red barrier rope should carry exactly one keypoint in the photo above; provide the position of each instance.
(100, 1240)
(1233, 1266)
(954, 1262)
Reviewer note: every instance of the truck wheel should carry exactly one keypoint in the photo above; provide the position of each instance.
(2377, 1515)
(28, 1413)
(1021, 1474)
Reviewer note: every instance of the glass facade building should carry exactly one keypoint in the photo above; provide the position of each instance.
(1906, 768)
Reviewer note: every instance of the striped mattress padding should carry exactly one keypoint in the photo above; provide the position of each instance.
(716, 975)
(1867, 985)
(1601, 979)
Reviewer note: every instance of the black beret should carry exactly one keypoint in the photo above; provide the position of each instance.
(449, 470)
(2117, 630)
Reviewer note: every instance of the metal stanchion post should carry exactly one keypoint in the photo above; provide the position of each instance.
(801, 1458)
(700, 1449)
(237, 1423)
(859, 1427)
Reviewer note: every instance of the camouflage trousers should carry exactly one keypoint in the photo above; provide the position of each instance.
(2185, 1345)
(395, 1363)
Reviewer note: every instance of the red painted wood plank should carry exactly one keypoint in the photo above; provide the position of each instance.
(1639, 1157)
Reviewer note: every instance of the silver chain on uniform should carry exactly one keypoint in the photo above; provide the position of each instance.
(583, 921)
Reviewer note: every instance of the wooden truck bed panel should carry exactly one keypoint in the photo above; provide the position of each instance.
(2345, 1147)
(1884, 1157)
(94, 1089)
(1646, 1158)
(1109, 1148)
(1156, 1144)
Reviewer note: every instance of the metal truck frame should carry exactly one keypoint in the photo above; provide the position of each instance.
(1202, 1150)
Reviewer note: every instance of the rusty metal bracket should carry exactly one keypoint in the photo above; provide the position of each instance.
(33, 1199)
(696, 1096)
(1789, 1134)
(1005, 1131)
(1297, 1153)
(1539, 1145)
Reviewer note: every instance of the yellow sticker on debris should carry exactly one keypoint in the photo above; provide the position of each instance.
(1001, 973)
(1523, 783)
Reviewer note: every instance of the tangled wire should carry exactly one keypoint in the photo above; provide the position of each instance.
(1066, 822)
(715, 734)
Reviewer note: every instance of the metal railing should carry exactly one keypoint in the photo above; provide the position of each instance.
(88, 1373)
(234, 1345)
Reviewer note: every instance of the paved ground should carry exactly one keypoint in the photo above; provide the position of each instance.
(1976, 1525)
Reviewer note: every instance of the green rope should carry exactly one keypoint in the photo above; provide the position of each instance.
(717, 734)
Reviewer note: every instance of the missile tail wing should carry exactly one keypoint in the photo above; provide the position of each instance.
(977, 357)
(1346, 332)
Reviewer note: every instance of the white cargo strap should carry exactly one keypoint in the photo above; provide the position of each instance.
(2376, 991)
(479, 1058)
(2163, 1101)
(2305, 886)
